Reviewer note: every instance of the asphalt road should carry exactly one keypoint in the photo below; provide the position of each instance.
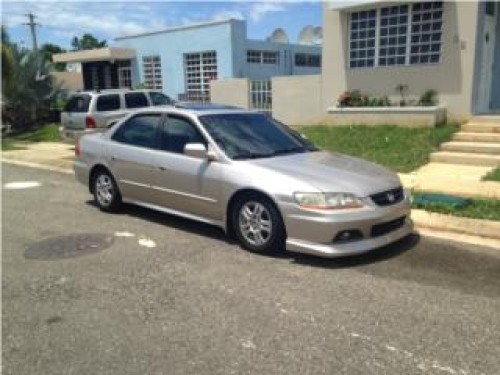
(171, 296)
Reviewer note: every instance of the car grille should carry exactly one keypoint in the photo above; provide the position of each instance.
(384, 228)
(386, 198)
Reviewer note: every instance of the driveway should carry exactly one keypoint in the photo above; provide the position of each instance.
(148, 293)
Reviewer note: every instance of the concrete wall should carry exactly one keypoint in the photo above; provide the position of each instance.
(172, 45)
(70, 81)
(452, 77)
(297, 100)
(234, 91)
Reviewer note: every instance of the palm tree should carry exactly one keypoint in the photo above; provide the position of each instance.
(29, 91)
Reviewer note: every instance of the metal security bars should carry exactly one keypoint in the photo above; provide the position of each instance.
(151, 67)
(261, 96)
(199, 69)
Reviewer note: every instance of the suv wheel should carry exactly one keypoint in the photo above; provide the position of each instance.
(258, 225)
(106, 193)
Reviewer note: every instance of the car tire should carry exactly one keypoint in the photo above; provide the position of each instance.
(106, 193)
(258, 225)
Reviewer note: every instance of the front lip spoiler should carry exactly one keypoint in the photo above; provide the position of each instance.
(349, 248)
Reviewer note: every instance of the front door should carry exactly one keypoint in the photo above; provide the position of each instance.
(487, 58)
(182, 182)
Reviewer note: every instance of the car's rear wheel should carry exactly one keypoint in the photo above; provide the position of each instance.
(106, 193)
(258, 225)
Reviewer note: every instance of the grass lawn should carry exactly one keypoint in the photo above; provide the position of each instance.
(494, 175)
(46, 133)
(476, 209)
(398, 148)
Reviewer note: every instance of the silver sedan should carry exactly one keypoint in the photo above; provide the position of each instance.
(243, 171)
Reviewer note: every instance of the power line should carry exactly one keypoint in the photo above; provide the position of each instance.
(32, 24)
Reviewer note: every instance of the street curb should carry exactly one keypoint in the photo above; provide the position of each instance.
(35, 165)
(453, 224)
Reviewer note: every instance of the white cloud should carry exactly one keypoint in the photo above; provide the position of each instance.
(259, 10)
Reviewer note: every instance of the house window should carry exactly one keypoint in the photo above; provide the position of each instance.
(199, 69)
(426, 32)
(362, 39)
(124, 74)
(393, 35)
(398, 35)
(263, 57)
(307, 59)
(151, 68)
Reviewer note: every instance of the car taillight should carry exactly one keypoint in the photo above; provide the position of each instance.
(90, 122)
(77, 148)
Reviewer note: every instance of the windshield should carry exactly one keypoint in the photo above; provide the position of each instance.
(253, 135)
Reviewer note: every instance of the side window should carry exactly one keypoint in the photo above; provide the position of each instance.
(177, 132)
(157, 98)
(107, 103)
(136, 100)
(78, 103)
(140, 130)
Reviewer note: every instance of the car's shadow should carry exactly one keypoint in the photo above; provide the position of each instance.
(186, 225)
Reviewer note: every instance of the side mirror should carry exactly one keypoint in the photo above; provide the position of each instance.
(198, 150)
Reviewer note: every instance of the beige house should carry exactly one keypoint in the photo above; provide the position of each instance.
(451, 47)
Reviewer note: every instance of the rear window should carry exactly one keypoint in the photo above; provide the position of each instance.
(157, 98)
(136, 100)
(108, 103)
(78, 103)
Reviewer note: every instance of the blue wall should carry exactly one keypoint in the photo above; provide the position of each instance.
(228, 38)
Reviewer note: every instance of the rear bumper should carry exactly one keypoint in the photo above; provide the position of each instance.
(76, 134)
(81, 172)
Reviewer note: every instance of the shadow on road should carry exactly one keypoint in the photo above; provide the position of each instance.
(198, 228)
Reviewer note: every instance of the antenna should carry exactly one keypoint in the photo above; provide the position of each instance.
(32, 24)
(278, 36)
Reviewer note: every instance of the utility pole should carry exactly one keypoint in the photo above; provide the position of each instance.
(32, 24)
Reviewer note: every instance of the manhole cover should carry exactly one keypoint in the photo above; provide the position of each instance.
(64, 247)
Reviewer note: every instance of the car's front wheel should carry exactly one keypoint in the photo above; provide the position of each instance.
(258, 225)
(106, 193)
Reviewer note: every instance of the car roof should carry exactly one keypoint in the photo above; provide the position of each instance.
(196, 109)
(112, 91)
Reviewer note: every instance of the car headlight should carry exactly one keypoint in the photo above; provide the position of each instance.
(328, 201)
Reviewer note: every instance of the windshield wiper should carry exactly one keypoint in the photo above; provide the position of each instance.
(252, 155)
(291, 150)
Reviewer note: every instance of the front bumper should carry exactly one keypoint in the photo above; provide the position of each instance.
(314, 232)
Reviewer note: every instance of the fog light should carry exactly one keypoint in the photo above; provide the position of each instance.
(348, 235)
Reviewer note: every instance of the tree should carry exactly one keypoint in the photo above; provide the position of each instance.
(31, 90)
(7, 57)
(87, 41)
(49, 49)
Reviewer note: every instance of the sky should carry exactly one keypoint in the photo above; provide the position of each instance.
(61, 20)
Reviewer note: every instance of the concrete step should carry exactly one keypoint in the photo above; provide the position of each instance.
(465, 158)
(486, 118)
(476, 137)
(473, 147)
(481, 127)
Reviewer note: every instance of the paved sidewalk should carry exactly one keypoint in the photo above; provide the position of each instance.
(48, 154)
(455, 179)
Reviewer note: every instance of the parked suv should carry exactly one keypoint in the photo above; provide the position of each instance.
(90, 111)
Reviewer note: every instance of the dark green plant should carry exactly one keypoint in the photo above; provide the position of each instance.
(87, 41)
(402, 89)
(31, 92)
(428, 98)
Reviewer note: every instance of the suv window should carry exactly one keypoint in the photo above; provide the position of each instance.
(108, 103)
(176, 132)
(140, 130)
(77, 103)
(136, 100)
(157, 98)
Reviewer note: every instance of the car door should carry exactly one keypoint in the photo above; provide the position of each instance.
(183, 182)
(131, 155)
(108, 109)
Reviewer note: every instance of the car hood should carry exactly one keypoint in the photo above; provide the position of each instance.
(333, 172)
